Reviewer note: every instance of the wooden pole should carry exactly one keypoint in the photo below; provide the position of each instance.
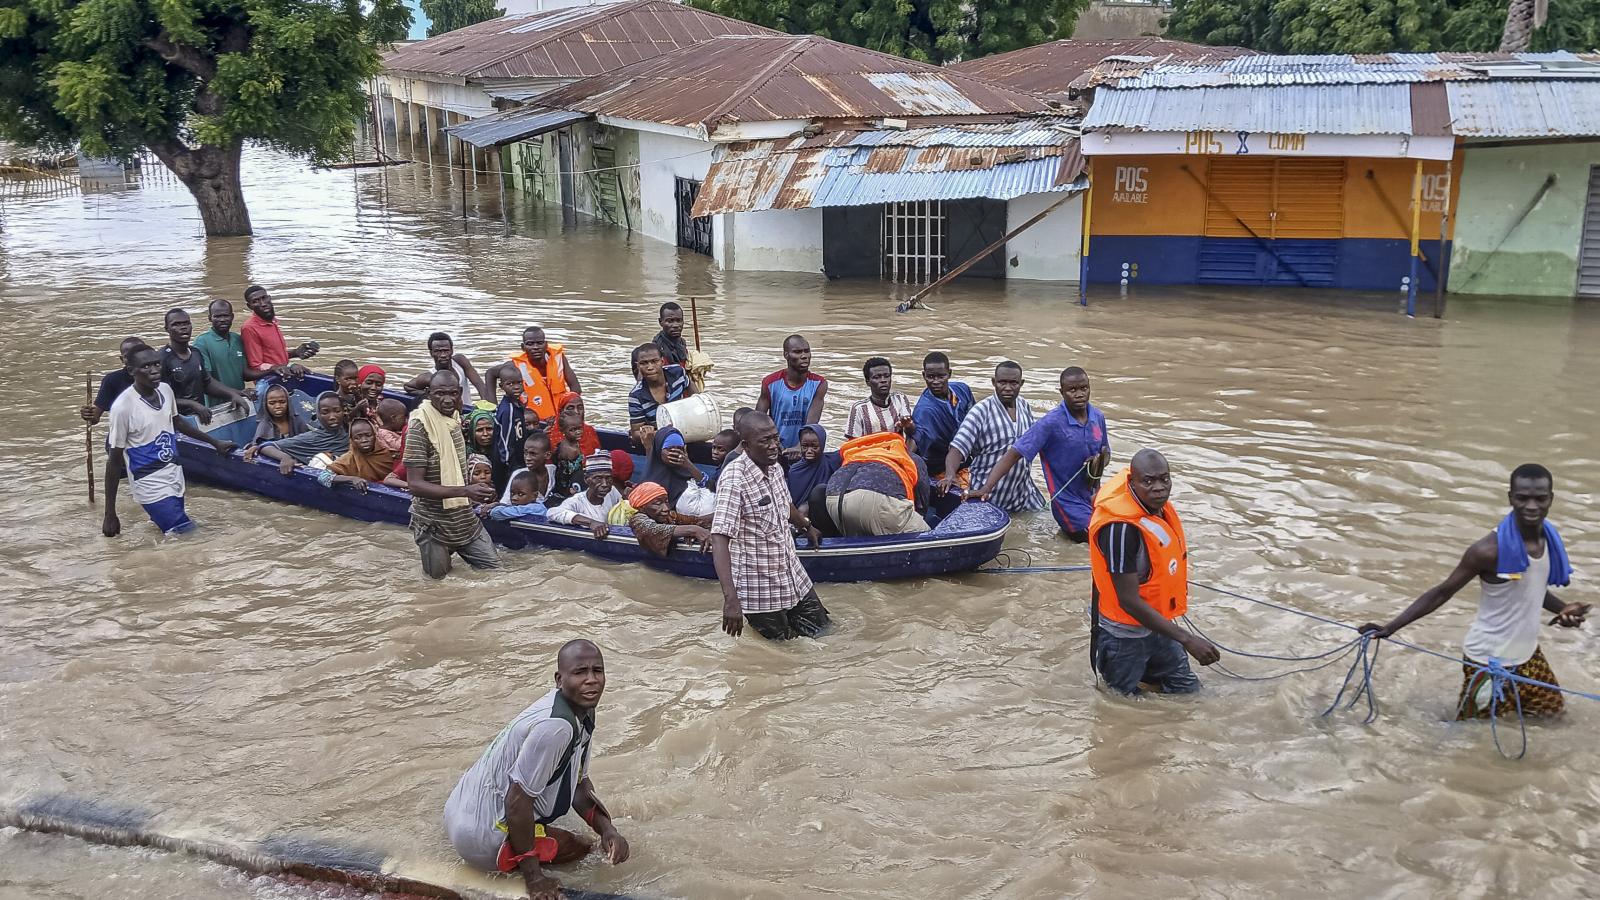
(694, 316)
(88, 434)
(1083, 252)
(916, 299)
(1416, 239)
(1444, 236)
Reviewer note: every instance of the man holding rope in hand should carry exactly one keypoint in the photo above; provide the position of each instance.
(1515, 565)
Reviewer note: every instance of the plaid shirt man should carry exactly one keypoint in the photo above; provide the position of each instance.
(753, 513)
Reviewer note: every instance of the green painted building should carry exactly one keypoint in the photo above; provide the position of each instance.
(1528, 215)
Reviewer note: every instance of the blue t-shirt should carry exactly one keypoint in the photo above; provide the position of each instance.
(1064, 445)
(790, 406)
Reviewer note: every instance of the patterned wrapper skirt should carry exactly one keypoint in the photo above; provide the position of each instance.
(1536, 700)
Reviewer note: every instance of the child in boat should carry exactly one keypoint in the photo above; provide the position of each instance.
(480, 471)
(392, 424)
(523, 502)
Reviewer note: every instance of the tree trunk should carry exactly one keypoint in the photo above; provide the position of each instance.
(211, 174)
(1518, 33)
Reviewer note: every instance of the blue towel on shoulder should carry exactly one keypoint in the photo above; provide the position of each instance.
(1514, 554)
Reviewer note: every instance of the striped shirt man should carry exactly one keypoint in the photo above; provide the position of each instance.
(867, 417)
(984, 437)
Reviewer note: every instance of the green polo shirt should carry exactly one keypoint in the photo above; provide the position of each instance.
(224, 359)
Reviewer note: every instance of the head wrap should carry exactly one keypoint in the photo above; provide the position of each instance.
(641, 496)
(674, 439)
(372, 466)
(370, 369)
(565, 398)
(803, 477)
(471, 428)
(676, 481)
(477, 459)
(265, 429)
(597, 463)
(621, 465)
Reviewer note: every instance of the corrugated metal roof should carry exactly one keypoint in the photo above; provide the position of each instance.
(577, 42)
(1285, 109)
(858, 168)
(513, 125)
(1053, 68)
(1383, 68)
(1525, 108)
(756, 79)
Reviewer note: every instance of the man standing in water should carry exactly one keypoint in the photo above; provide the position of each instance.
(442, 520)
(536, 770)
(442, 348)
(986, 436)
(184, 369)
(220, 349)
(1515, 566)
(265, 351)
(793, 396)
(546, 374)
(674, 349)
(1139, 562)
(752, 547)
(144, 445)
(1075, 447)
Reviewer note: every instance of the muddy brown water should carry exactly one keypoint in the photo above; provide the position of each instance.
(288, 672)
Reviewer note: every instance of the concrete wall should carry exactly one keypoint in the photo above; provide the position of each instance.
(1541, 255)
(663, 159)
(1120, 20)
(1049, 251)
(775, 240)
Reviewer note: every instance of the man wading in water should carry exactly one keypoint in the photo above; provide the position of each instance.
(534, 772)
(1515, 565)
(1140, 565)
(442, 520)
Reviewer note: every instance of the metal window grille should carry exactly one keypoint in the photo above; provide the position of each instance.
(914, 241)
(694, 232)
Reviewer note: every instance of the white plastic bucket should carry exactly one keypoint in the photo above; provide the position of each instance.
(697, 418)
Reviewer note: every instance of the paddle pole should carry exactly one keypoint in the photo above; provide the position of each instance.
(88, 434)
(694, 317)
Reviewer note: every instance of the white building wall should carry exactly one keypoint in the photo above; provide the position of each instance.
(664, 158)
(1049, 251)
(776, 240)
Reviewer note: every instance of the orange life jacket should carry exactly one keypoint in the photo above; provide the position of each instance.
(541, 385)
(885, 447)
(1167, 589)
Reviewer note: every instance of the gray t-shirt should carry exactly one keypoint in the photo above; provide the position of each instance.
(525, 752)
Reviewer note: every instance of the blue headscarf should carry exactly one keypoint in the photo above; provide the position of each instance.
(803, 477)
(1513, 558)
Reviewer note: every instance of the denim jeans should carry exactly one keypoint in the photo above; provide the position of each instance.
(1153, 659)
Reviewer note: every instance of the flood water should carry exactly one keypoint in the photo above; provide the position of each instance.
(287, 672)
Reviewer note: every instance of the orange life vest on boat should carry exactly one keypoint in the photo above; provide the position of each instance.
(1167, 589)
(885, 447)
(541, 385)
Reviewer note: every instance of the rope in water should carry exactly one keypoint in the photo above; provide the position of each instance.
(1365, 647)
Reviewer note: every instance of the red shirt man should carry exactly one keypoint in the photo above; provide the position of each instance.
(265, 351)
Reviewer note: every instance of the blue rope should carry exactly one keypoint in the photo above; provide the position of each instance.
(1366, 660)
(1499, 677)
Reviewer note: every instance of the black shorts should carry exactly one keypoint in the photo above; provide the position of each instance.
(808, 618)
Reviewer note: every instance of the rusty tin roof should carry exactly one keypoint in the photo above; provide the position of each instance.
(1060, 66)
(771, 78)
(576, 42)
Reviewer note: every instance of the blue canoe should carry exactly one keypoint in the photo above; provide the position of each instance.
(963, 541)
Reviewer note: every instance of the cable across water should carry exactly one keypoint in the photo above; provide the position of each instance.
(1357, 681)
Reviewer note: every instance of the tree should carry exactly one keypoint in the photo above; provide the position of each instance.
(935, 31)
(1380, 26)
(191, 80)
(448, 15)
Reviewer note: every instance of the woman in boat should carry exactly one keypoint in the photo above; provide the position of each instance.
(814, 467)
(683, 481)
(653, 525)
(479, 430)
(277, 418)
(366, 462)
(328, 438)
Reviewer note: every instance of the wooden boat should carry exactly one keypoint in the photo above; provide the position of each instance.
(963, 541)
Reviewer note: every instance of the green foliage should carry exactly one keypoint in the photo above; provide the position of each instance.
(935, 31)
(388, 23)
(448, 15)
(118, 75)
(1374, 26)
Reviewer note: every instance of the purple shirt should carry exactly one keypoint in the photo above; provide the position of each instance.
(1064, 445)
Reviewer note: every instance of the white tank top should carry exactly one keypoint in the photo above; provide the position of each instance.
(1509, 616)
(468, 395)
